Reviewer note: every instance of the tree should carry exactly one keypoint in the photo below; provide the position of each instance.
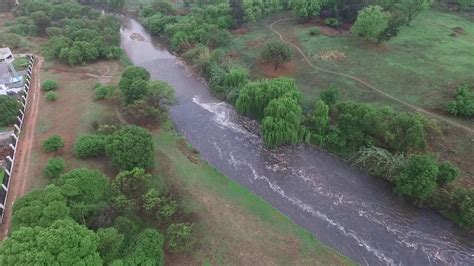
(63, 243)
(41, 19)
(116, 3)
(54, 167)
(110, 244)
(132, 184)
(276, 53)
(305, 9)
(321, 117)
(281, 124)
(418, 178)
(160, 94)
(148, 249)
(371, 22)
(178, 237)
(9, 110)
(84, 190)
(447, 173)
(463, 103)
(329, 95)
(49, 85)
(466, 210)
(53, 143)
(255, 96)
(131, 147)
(157, 206)
(238, 12)
(411, 8)
(133, 83)
(89, 145)
(40, 207)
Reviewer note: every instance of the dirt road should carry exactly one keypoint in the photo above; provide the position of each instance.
(366, 84)
(20, 177)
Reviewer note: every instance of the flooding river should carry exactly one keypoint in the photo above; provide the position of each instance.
(354, 213)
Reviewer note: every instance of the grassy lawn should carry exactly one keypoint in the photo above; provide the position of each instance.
(422, 66)
(70, 115)
(235, 226)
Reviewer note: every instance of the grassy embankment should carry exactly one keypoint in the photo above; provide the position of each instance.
(422, 66)
(234, 226)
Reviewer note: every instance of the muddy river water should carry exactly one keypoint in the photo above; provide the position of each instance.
(344, 208)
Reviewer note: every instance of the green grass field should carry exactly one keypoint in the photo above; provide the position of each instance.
(234, 225)
(422, 66)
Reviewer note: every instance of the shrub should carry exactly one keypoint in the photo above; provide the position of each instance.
(49, 85)
(89, 145)
(379, 162)
(330, 95)
(314, 32)
(332, 22)
(466, 210)
(463, 104)
(447, 173)
(9, 107)
(103, 92)
(54, 167)
(53, 143)
(51, 96)
(179, 237)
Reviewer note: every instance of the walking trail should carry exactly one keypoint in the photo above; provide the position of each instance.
(20, 177)
(366, 84)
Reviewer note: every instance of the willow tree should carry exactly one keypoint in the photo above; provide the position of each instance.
(321, 117)
(305, 9)
(282, 122)
(255, 96)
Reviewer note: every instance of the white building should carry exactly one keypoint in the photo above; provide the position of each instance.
(10, 80)
(6, 56)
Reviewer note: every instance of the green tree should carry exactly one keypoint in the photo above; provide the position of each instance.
(447, 173)
(129, 187)
(159, 207)
(281, 124)
(49, 85)
(40, 207)
(84, 190)
(133, 83)
(116, 3)
(89, 145)
(110, 244)
(276, 53)
(148, 249)
(238, 12)
(53, 143)
(54, 167)
(131, 147)
(160, 94)
(9, 110)
(466, 210)
(411, 8)
(418, 178)
(370, 23)
(41, 19)
(305, 9)
(321, 117)
(63, 243)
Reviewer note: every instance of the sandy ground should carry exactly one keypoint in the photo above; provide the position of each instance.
(19, 181)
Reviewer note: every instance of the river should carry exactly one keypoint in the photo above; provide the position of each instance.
(344, 208)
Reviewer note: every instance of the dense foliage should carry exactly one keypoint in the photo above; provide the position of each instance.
(370, 23)
(276, 53)
(54, 167)
(49, 85)
(463, 103)
(131, 147)
(9, 110)
(89, 145)
(53, 143)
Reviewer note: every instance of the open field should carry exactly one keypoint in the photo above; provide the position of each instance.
(235, 227)
(420, 67)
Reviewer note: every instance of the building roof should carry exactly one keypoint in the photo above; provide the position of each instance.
(5, 52)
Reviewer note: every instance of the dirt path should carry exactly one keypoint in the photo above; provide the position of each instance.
(20, 177)
(366, 84)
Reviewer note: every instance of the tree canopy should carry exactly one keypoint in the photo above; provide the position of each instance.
(277, 53)
(370, 23)
(9, 107)
(418, 178)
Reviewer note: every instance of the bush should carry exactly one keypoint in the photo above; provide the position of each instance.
(314, 32)
(9, 107)
(53, 143)
(418, 178)
(332, 22)
(463, 104)
(54, 167)
(447, 173)
(103, 92)
(49, 85)
(89, 145)
(330, 95)
(379, 162)
(179, 237)
(51, 96)
(466, 210)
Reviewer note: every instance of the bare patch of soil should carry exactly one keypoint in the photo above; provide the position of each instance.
(268, 70)
(190, 153)
(331, 55)
(240, 31)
